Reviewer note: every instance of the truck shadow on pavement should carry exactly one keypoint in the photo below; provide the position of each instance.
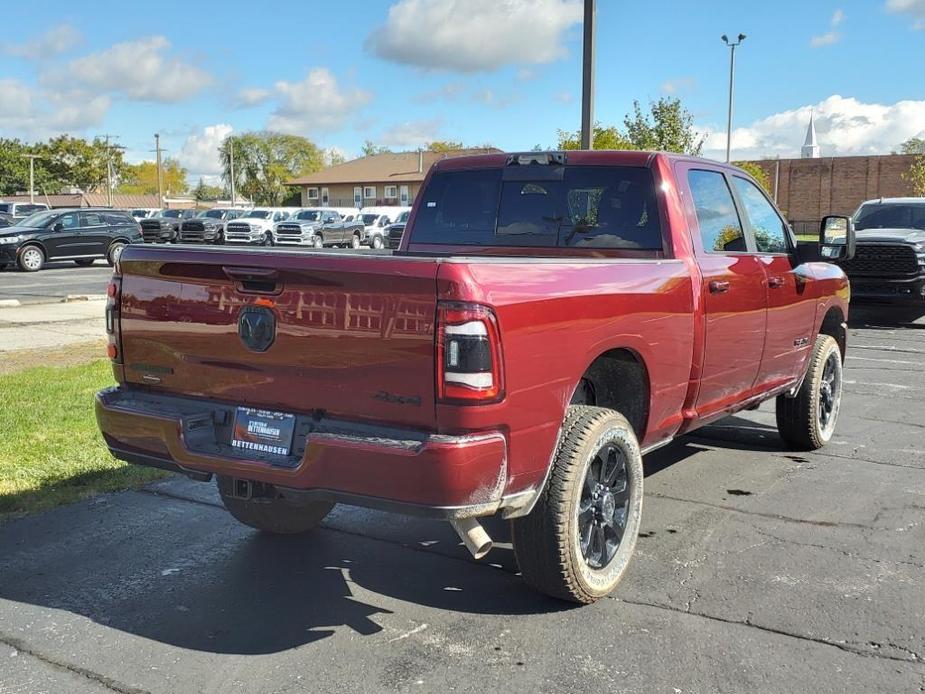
(885, 317)
(170, 565)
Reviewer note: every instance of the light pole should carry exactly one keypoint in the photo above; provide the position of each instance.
(587, 79)
(160, 181)
(31, 158)
(732, 71)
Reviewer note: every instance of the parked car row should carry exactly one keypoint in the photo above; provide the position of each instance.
(15, 211)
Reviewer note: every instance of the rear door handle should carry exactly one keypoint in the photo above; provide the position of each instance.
(719, 287)
(775, 282)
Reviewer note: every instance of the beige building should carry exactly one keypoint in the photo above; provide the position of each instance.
(379, 179)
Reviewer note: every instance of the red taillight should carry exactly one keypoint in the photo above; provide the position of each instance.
(469, 363)
(113, 325)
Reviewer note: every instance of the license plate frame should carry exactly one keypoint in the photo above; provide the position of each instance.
(263, 431)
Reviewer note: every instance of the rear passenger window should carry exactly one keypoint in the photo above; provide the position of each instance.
(580, 206)
(770, 232)
(720, 228)
(90, 219)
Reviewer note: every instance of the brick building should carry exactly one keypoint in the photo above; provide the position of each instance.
(379, 179)
(807, 189)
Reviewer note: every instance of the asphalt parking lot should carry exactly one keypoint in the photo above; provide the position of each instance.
(55, 282)
(758, 570)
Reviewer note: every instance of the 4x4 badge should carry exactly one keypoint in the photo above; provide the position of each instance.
(257, 328)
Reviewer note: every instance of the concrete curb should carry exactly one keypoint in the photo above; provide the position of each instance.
(82, 297)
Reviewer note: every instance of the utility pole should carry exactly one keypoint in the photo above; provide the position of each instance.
(31, 158)
(109, 163)
(732, 72)
(587, 79)
(160, 183)
(231, 158)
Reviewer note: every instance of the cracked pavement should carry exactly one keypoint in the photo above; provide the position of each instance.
(758, 569)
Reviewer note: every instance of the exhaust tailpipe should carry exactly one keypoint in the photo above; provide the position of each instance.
(473, 535)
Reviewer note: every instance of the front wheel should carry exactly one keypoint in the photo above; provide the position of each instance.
(355, 241)
(807, 421)
(277, 515)
(31, 259)
(317, 242)
(268, 239)
(577, 542)
(377, 242)
(115, 252)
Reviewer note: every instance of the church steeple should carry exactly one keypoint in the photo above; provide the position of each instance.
(811, 149)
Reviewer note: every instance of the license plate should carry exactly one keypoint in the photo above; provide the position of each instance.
(263, 431)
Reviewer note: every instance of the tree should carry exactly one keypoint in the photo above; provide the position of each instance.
(757, 172)
(444, 146)
(914, 145)
(370, 149)
(604, 138)
(141, 179)
(71, 161)
(264, 162)
(668, 127)
(204, 191)
(14, 168)
(915, 175)
(333, 157)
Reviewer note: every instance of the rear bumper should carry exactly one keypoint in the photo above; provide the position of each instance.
(397, 469)
(905, 290)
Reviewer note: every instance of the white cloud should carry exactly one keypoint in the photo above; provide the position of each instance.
(488, 97)
(678, 85)
(831, 36)
(315, 104)
(252, 96)
(474, 35)
(914, 8)
(139, 69)
(844, 126)
(34, 114)
(56, 40)
(199, 153)
(411, 134)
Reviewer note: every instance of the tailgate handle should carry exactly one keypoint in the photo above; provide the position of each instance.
(253, 280)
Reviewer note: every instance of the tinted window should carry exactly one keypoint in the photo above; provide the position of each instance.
(770, 232)
(369, 219)
(6, 207)
(403, 217)
(39, 219)
(258, 214)
(68, 221)
(213, 214)
(720, 228)
(117, 218)
(309, 215)
(890, 215)
(90, 219)
(30, 209)
(171, 214)
(581, 206)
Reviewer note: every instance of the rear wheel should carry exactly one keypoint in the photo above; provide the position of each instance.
(115, 252)
(807, 421)
(277, 515)
(84, 262)
(31, 259)
(577, 542)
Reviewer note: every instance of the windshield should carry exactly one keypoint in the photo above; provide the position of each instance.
(38, 220)
(213, 214)
(258, 214)
(6, 207)
(890, 215)
(309, 215)
(369, 219)
(139, 213)
(539, 206)
(171, 213)
(403, 218)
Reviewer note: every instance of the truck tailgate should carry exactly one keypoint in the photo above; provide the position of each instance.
(354, 334)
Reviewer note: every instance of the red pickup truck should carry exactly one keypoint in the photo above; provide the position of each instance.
(548, 319)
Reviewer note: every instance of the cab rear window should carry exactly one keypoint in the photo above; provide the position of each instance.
(540, 206)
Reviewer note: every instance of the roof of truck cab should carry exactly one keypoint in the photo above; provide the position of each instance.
(581, 157)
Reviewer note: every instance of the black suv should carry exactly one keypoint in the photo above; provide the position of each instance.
(165, 227)
(81, 235)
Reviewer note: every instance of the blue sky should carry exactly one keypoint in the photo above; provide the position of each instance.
(506, 72)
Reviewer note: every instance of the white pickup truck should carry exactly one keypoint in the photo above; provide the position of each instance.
(256, 227)
(375, 220)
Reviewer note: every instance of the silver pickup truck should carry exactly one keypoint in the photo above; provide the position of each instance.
(316, 227)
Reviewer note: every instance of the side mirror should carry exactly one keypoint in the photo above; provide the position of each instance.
(57, 227)
(836, 238)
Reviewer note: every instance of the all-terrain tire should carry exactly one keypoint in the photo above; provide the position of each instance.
(279, 516)
(799, 418)
(546, 542)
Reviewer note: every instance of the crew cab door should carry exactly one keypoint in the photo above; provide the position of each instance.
(733, 291)
(95, 233)
(791, 306)
(63, 239)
